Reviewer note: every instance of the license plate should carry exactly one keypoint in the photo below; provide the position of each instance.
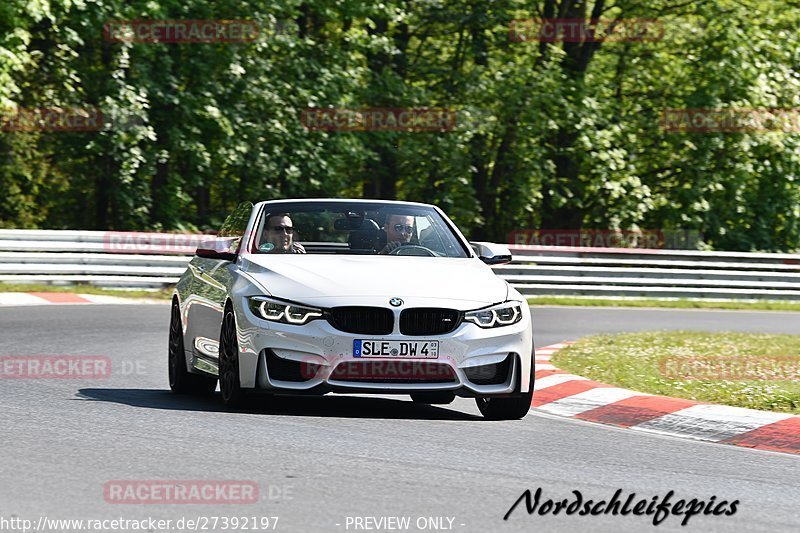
(399, 349)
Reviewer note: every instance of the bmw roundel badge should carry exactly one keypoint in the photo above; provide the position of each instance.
(396, 302)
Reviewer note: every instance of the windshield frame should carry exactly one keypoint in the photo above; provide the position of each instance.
(336, 204)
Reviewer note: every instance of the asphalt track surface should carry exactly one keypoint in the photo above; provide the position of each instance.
(319, 460)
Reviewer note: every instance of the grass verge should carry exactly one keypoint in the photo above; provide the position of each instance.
(757, 371)
(163, 294)
(770, 305)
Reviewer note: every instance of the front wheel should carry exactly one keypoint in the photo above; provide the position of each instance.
(229, 384)
(507, 408)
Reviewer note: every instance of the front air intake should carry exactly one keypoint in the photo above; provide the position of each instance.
(281, 369)
(494, 374)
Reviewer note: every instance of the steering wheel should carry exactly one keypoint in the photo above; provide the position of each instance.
(413, 247)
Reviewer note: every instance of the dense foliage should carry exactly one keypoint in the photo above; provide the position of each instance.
(549, 134)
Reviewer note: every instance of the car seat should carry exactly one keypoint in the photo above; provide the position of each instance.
(363, 240)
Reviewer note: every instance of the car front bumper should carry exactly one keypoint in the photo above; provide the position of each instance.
(318, 358)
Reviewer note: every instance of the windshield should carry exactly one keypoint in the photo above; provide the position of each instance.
(355, 228)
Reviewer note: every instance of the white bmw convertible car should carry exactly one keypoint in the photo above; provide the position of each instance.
(365, 296)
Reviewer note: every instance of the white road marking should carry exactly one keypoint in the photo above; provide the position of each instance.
(20, 298)
(711, 422)
(587, 400)
(555, 379)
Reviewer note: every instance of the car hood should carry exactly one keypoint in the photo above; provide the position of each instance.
(328, 280)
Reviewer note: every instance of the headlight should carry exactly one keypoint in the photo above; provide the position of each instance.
(503, 314)
(284, 312)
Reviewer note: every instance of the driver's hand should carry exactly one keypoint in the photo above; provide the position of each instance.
(390, 247)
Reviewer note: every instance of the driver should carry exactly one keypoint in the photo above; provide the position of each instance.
(399, 231)
(279, 236)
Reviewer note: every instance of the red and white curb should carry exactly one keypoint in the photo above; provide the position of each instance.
(8, 299)
(560, 393)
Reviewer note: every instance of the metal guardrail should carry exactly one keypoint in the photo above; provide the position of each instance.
(572, 271)
(156, 260)
(130, 260)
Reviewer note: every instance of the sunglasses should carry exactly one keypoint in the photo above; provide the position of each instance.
(402, 228)
(281, 229)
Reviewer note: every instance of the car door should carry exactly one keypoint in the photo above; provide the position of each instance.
(211, 280)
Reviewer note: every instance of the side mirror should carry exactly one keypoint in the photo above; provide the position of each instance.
(219, 248)
(492, 253)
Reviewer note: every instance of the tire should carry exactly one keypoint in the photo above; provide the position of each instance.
(181, 380)
(433, 397)
(507, 408)
(229, 384)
